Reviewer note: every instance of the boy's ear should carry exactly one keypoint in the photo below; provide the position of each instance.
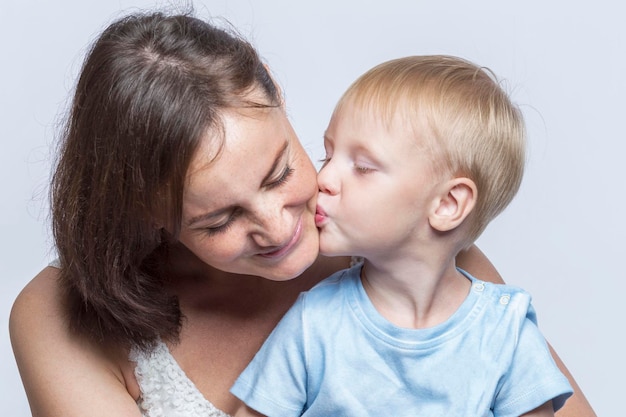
(455, 203)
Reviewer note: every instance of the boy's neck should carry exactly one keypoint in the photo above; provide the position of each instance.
(415, 294)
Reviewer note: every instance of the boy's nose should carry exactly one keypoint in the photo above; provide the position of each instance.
(327, 180)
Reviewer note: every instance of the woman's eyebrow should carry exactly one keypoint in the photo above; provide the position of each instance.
(279, 156)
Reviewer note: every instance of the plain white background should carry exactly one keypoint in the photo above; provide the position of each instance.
(563, 61)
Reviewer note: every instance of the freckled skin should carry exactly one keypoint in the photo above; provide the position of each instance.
(265, 220)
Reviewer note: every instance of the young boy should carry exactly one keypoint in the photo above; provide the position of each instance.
(421, 153)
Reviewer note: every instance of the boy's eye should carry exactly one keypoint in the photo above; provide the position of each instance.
(362, 169)
(364, 166)
(283, 178)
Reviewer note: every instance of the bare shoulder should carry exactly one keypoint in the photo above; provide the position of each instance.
(40, 290)
(62, 372)
(474, 261)
(38, 310)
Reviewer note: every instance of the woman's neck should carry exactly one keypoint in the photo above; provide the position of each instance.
(199, 285)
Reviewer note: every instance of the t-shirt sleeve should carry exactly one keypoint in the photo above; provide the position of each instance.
(533, 377)
(274, 383)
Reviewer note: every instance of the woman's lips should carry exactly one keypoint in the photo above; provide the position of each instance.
(320, 216)
(287, 246)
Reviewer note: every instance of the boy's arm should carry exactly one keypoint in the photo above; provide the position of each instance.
(476, 263)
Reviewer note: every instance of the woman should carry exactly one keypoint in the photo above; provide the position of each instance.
(182, 206)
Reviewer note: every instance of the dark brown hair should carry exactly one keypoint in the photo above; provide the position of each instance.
(151, 87)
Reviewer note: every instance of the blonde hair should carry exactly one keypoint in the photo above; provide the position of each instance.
(473, 128)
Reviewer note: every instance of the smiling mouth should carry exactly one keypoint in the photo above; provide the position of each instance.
(288, 246)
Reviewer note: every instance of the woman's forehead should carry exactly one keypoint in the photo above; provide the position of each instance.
(239, 131)
(253, 141)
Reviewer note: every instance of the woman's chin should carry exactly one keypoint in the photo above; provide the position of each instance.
(296, 263)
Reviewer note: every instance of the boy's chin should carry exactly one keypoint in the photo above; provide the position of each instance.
(335, 247)
(331, 251)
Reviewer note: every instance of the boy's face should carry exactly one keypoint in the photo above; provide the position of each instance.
(377, 188)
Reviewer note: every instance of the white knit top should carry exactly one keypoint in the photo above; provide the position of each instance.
(165, 389)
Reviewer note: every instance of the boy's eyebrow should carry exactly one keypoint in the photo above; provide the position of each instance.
(202, 217)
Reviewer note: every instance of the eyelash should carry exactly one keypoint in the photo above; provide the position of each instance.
(283, 178)
(225, 226)
(363, 170)
(359, 169)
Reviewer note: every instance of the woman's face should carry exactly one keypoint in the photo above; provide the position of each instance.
(251, 210)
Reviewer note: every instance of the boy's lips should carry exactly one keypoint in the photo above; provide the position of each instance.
(320, 216)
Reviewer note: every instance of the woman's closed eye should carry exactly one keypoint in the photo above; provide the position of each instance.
(287, 172)
(229, 218)
(223, 226)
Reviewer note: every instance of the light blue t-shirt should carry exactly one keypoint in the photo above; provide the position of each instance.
(333, 354)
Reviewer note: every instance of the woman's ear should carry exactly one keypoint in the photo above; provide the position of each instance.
(456, 202)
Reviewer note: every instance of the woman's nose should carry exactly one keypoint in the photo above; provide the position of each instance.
(274, 225)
